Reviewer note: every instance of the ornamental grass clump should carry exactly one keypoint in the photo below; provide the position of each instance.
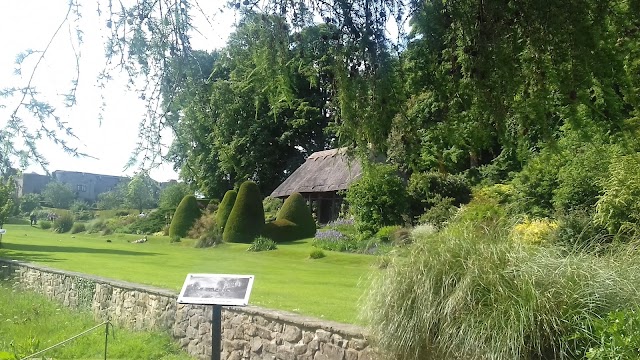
(469, 292)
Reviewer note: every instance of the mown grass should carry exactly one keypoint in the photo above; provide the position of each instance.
(286, 278)
(31, 323)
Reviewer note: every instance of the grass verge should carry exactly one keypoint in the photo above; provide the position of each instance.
(31, 323)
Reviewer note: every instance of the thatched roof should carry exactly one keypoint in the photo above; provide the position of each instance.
(329, 170)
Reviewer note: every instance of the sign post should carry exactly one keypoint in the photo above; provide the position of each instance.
(216, 290)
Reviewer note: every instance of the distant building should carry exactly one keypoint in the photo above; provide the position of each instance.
(86, 186)
(320, 179)
(31, 183)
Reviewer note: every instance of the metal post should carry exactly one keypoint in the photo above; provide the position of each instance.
(106, 338)
(216, 332)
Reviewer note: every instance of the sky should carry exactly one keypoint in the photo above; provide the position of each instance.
(28, 24)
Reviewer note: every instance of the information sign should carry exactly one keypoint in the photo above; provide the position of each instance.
(216, 289)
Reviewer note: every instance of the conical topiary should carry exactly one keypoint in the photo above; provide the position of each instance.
(247, 216)
(186, 214)
(225, 208)
(295, 209)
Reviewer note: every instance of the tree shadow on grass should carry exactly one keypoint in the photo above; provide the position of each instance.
(36, 250)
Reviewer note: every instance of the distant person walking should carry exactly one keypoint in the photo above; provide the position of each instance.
(33, 218)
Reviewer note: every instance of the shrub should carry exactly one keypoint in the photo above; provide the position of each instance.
(378, 198)
(580, 179)
(63, 223)
(153, 222)
(29, 202)
(617, 336)
(210, 238)
(262, 244)
(281, 231)
(577, 230)
(271, 204)
(471, 293)
(385, 233)
(295, 209)
(439, 213)
(618, 210)
(316, 254)
(184, 217)
(334, 240)
(426, 190)
(78, 228)
(205, 224)
(247, 216)
(534, 232)
(45, 225)
(174, 239)
(534, 185)
(222, 215)
(96, 225)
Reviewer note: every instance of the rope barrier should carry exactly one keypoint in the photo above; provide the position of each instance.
(67, 340)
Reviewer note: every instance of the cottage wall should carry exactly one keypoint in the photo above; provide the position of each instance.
(248, 332)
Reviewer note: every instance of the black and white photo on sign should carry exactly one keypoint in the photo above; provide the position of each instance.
(220, 287)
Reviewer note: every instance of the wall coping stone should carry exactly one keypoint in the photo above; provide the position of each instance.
(281, 315)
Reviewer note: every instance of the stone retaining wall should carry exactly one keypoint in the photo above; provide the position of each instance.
(247, 332)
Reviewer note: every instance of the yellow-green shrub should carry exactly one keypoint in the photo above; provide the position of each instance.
(534, 232)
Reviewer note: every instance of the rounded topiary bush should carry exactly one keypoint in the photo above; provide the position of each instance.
(295, 209)
(281, 230)
(246, 219)
(225, 207)
(186, 214)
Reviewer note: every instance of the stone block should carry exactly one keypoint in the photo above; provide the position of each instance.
(323, 336)
(358, 344)
(333, 352)
(256, 345)
(299, 349)
(285, 353)
(292, 333)
(264, 333)
(351, 354)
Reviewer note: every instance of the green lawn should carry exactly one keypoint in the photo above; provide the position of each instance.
(30, 323)
(285, 279)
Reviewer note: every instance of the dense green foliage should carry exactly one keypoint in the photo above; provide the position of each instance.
(141, 192)
(295, 209)
(619, 209)
(426, 190)
(29, 202)
(64, 222)
(184, 217)
(224, 210)
(6, 200)
(616, 336)
(247, 216)
(58, 195)
(171, 195)
(378, 198)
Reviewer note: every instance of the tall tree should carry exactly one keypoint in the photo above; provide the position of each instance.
(58, 195)
(140, 192)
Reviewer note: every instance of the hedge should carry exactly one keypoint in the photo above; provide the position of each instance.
(186, 214)
(246, 219)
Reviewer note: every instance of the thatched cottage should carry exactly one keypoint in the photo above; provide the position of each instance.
(320, 179)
